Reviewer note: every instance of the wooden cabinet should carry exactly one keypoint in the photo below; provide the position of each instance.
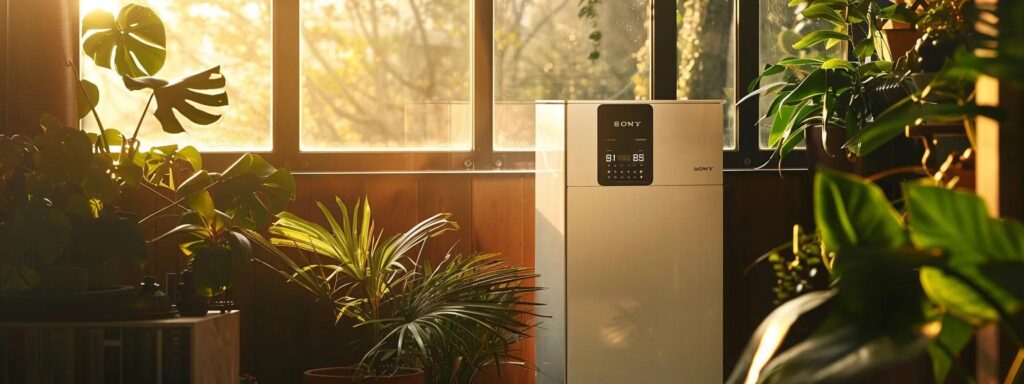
(165, 351)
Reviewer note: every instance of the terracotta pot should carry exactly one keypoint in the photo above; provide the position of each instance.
(347, 375)
(895, 43)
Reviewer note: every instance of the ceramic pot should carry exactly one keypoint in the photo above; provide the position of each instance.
(347, 375)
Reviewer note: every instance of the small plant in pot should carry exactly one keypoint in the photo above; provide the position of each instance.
(419, 322)
(218, 208)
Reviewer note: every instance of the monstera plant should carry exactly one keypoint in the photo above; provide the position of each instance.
(57, 188)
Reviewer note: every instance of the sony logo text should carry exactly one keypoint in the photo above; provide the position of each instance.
(630, 124)
(703, 169)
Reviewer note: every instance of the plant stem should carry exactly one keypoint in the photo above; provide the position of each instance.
(1014, 375)
(143, 117)
(92, 107)
(169, 200)
(161, 210)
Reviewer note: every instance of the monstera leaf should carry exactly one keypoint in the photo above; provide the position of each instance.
(182, 95)
(135, 42)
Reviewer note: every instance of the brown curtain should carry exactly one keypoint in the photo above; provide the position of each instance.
(41, 36)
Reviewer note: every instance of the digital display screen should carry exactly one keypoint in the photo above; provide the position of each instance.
(624, 157)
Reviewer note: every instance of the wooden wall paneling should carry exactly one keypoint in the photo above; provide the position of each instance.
(760, 211)
(275, 314)
(452, 194)
(497, 216)
(499, 210)
(394, 200)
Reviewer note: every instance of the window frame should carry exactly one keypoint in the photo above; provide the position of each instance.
(482, 157)
(748, 154)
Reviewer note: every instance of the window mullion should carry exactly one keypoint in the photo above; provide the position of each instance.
(285, 93)
(482, 84)
(664, 56)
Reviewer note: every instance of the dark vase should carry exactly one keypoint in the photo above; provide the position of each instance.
(934, 50)
(190, 303)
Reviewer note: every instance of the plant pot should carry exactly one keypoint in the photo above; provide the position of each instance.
(189, 302)
(347, 375)
(63, 280)
(828, 153)
(933, 51)
(895, 43)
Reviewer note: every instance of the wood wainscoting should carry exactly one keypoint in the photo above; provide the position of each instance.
(284, 332)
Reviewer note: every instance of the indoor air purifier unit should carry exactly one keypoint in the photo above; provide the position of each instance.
(629, 241)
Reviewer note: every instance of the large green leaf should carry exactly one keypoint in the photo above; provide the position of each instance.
(252, 191)
(211, 268)
(906, 113)
(943, 349)
(958, 223)
(64, 154)
(850, 211)
(772, 332)
(815, 84)
(88, 97)
(181, 95)
(135, 43)
(845, 355)
(823, 12)
(818, 37)
(35, 234)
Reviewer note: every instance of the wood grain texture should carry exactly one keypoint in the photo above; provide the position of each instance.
(285, 332)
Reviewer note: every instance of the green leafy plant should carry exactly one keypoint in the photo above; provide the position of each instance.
(951, 97)
(452, 319)
(823, 91)
(58, 187)
(903, 284)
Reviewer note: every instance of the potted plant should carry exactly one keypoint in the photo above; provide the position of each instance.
(60, 191)
(419, 322)
(851, 96)
(901, 285)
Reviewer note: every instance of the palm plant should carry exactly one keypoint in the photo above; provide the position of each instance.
(453, 319)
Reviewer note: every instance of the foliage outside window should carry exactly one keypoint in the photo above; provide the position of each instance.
(396, 75)
(564, 50)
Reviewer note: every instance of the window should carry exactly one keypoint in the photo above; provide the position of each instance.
(235, 34)
(707, 58)
(781, 26)
(385, 75)
(563, 50)
(388, 85)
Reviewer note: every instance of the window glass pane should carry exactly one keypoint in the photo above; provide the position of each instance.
(707, 60)
(385, 75)
(235, 34)
(564, 49)
(781, 27)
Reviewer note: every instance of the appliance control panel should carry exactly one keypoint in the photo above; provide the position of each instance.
(625, 144)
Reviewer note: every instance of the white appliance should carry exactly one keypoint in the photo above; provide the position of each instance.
(629, 241)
